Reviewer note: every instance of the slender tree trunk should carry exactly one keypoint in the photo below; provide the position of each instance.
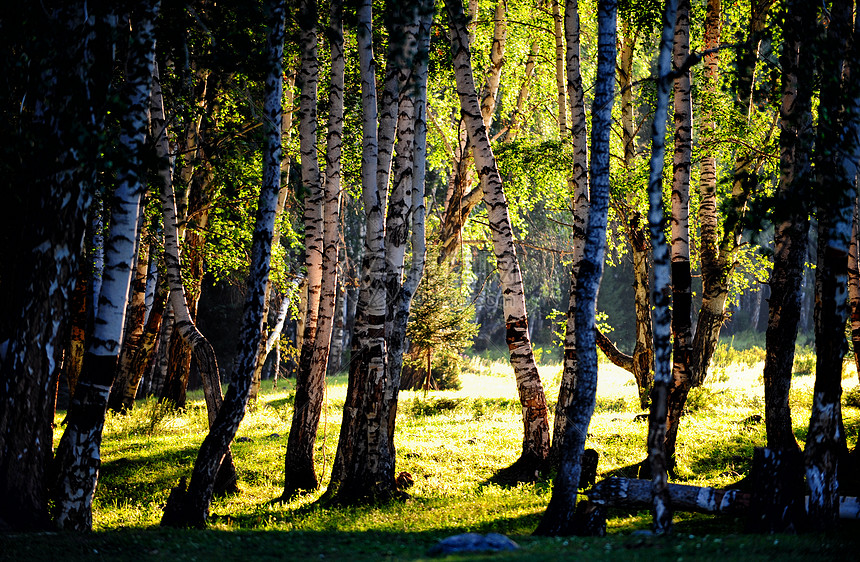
(791, 216)
(854, 287)
(535, 420)
(207, 362)
(579, 179)
(463, 197)
(682, 292)
(660, 291)
(719, 256)
(190, 507)
(77, 460)
(559, 516)
(265, 346)
(310, 381)
(134, 324)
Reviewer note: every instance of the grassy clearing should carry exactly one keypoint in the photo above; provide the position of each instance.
(452, 443)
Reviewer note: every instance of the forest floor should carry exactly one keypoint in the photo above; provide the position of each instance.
(453, 443)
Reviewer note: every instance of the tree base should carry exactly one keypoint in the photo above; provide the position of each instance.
(527, 468)
(179, 512)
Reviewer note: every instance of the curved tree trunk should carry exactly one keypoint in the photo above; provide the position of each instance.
(791, 216)
(559, 516)
(77, 460)
(189, 508)
(183, 323)
(535, 420)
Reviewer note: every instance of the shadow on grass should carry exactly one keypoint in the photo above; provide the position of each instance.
(139, 476)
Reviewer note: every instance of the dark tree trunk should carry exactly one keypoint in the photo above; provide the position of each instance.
(791, 216)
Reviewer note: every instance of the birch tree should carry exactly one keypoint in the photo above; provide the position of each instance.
(579, 180)
(189, 507)
(310, 380)
(837, 156)
(535, 419)
(559, 516)
(77, 460)
(660, 291)
(791, 216)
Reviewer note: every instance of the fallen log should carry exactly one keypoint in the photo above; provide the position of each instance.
(631, 492)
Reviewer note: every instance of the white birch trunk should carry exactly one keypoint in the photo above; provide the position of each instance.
(78, 458)
(191, 507)
(530, 389)
(661, 290)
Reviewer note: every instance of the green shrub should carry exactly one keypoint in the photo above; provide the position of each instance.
(851, 397)
(804, 361)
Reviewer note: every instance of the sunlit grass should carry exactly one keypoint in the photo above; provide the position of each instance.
(452, 443)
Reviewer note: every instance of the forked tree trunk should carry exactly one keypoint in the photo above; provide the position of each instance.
(189, 508)
(579, 181)
(77, 460)
(660, 290)
(353, 478)
(535, 419)
(407, 202)
(719, 255)
(364, 464)
(559, 516)
(791, 215)
(300, 472)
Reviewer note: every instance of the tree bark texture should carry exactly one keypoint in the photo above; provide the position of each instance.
(559, 516)
(310, 380)
(682, 292)
(189, 508)
(579, 181)
(836, 168)
(77, 460)
(535, 418)
(360, 471)
(661, 289)
(791, 227)
(66, 118)
(207, 362)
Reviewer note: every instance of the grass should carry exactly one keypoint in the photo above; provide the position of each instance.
(452, 443)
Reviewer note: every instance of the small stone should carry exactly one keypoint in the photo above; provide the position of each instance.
(243, 440)
(472, 542)
(642, 533)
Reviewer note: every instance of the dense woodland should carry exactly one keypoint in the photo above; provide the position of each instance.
(201, 194)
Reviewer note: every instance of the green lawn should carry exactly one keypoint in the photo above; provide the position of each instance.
(452, 443)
